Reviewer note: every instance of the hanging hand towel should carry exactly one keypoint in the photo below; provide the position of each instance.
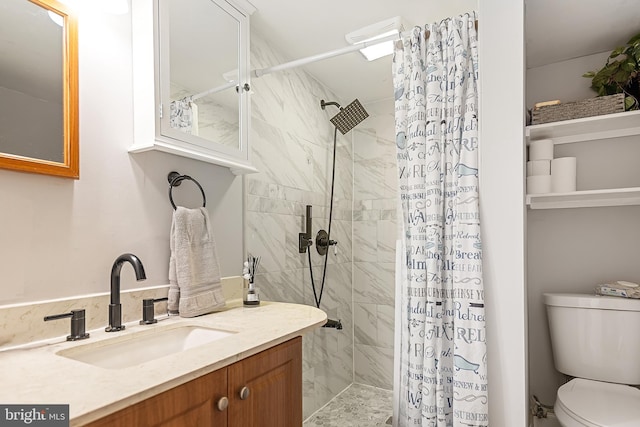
(194, 273)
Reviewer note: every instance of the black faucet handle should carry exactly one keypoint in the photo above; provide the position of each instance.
(148, 310)
(77, 324)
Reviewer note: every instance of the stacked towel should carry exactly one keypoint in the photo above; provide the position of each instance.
(194, 272)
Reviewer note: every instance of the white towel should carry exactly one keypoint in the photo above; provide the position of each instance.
(194, 273)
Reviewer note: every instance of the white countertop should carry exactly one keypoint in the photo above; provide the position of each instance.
(37, 375)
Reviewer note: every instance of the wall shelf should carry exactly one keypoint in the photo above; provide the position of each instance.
(587, 129)
(585, 199)
(582, 130)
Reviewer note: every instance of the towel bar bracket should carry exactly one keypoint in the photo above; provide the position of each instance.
(175, 179)
(173, 175)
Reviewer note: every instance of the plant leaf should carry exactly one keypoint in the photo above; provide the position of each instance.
(608, 71)
(617, 51)
(636, 53)
(630, 103)
(635, 39)
(629, 66)
(621, 76)
(621, 67)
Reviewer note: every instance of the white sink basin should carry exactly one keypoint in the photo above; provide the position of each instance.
(140, 347)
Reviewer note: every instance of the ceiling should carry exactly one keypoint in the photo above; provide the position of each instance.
(304, 28)
(555, 31)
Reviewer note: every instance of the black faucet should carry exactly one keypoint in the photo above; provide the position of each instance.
(115, 308)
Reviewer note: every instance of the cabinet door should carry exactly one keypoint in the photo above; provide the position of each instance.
(192, 404)
(273, 379)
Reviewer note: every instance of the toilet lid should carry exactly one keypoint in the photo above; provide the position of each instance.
(601, 404)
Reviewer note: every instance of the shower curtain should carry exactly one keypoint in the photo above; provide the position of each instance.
(184, 115)
(443, 377)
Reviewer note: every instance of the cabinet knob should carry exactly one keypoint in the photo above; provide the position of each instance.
(223, 403)
(244, 393)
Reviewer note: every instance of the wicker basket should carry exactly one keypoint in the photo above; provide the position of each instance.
(574, 110)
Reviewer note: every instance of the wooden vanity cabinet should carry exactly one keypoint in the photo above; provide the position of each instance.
(273, 380)
(263, 390)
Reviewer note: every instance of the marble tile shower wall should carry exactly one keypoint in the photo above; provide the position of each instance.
(216, 122)
(374, 236)
(291, 143)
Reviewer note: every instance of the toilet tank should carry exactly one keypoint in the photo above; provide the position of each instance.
(595, 337)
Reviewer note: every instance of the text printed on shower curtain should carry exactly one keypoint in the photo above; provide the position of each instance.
(443, 350)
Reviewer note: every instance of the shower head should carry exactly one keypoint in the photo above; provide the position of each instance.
(348, 117)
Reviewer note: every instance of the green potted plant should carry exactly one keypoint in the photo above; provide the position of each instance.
(621, 74)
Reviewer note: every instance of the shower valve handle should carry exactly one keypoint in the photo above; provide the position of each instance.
(335, 246)
(323, 243)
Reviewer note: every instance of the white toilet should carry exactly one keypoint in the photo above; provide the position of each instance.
(597, 340)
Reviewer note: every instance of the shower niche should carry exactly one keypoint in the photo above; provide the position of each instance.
(191, 80)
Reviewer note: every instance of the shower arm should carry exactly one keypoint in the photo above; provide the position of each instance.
(304, 239)
(323, 104)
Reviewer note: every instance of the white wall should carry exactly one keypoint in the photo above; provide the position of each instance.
(563, 80)
(60, 237)
(572, 250)
(501, 56)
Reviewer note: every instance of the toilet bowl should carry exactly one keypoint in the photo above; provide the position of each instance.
(595, 339)
(589, 403)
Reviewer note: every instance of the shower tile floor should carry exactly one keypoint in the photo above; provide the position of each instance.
(357, 406)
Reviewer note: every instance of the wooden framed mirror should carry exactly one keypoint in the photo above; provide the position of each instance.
(39, 88)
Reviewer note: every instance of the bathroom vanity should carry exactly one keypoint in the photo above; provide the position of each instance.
(241, 394)
(251, 375)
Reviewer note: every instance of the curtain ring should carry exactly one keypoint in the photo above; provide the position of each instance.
(175, 179)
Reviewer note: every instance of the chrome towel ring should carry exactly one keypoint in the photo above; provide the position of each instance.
(175, 179)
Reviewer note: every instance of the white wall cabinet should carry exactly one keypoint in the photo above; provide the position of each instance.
(192, 60)
(584, 130)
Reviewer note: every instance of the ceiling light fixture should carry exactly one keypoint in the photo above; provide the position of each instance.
(380, 30)
(58, 19)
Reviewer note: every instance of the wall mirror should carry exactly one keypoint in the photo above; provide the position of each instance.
(39, 88)
(201, 63)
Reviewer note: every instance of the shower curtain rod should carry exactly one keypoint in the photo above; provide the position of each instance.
(214, 90)
(319, 57)
(333, 53)
(292, 64)
(259, 72)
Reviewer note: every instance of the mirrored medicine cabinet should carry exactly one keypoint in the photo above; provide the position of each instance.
(39, 88)
(191, 79)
